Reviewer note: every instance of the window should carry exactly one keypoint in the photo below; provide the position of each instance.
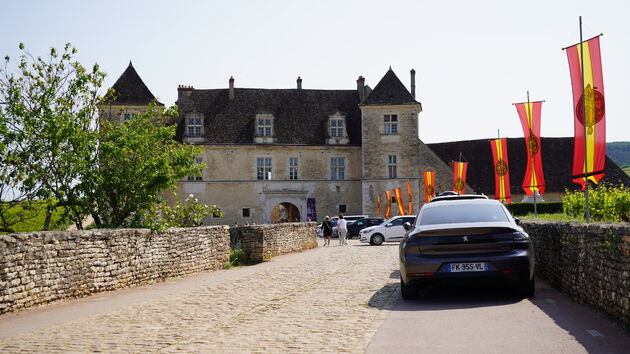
(293, 168)
(246, 212)
(390, 124)
(263, 126)
(343, 208)
(263, 168)
(391, 166)
(128, 116)
(198, 177)
(337, 127)
(195, 126)
(337, 168)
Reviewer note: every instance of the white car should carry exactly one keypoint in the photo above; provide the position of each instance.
(390, 230)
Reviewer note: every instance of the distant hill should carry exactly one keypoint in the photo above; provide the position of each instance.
(619, 152)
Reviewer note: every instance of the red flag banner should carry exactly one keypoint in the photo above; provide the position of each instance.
(389, 204)
(592, 89)
(378, 205)
(529, 113)
(459, 176)
(399, 201)
(410, 196)
(429, 185)
(501, 170)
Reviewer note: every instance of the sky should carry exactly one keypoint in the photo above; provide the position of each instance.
(473, 59)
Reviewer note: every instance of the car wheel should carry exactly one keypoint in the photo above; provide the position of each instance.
(408, 292)
(527, 287)
(376, 239)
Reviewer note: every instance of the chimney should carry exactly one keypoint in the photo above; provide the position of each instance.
(413, 83)
(231, 87)
(184, 91)
(361, 88)
(299, 83)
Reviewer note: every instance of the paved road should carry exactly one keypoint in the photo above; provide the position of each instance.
(331, 299)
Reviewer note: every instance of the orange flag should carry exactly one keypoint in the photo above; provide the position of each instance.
(429, 185)
(459, 177)
(529, 113)
(378, 205)
(399, 201)
(591, 88)
(410, 196)
(501, 170)
(389, 204)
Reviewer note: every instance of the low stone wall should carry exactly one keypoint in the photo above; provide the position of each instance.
(590, 262)
(265, 241)
(44, 267)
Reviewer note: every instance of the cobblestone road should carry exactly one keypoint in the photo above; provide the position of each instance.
(329, 299)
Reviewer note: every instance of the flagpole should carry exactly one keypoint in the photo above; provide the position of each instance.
(587, 214)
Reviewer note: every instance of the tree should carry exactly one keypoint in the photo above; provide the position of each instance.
(137, 161)
(50, 111)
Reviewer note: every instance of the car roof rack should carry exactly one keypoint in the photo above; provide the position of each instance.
(457, 197)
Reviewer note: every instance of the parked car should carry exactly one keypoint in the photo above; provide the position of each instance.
(465, 238)
(349, 219)
(390, 230)
(355, 227)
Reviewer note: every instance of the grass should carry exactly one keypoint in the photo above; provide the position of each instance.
(553, 217)
(57, 222)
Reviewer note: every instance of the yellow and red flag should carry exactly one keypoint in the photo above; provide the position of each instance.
(389, 204)
(429, 185)
(399, 201)
(378, 205)
(410, 196)
(591, 88)
(529, 113)
(459, 177)
(501, 170)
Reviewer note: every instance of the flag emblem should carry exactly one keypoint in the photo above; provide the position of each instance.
(501, 168)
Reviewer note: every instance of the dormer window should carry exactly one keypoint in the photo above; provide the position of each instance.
(128, 116)
(194, 131)
(264, 129)
(337, 133)
(390, 124)
(195, 126)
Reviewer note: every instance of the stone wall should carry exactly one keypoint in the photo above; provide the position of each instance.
(262, 242)
(44, 267)
(590, 262)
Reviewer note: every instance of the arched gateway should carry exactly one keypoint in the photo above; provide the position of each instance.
(285, 212)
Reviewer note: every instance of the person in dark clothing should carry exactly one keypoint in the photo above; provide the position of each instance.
(327, 230)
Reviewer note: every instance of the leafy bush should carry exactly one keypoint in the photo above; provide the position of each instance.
(188, 213)
(607, 203)
(521, 209)
(237, 257)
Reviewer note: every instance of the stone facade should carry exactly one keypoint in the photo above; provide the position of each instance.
(44, 267)
(590, 262)
(263, 242)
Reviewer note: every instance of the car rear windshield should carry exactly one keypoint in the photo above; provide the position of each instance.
(462, 213)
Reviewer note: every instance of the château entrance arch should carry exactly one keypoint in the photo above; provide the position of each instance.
(285, 212)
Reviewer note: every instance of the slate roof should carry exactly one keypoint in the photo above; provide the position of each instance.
(300, 116)
(390, 91)
(131, 90)
(557, 159)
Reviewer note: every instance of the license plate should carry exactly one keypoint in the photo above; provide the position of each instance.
(468, 267)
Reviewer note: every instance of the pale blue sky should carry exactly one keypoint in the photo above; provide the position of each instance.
(473, 58)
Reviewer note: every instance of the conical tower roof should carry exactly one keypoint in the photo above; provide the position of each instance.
(131, 90)
(390, 91)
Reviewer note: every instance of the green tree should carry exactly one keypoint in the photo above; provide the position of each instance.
(50, 111)
(137, 161)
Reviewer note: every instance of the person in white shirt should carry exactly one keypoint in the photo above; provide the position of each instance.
(342, 230)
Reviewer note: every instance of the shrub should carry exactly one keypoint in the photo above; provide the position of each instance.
(188, 213)
(522, 209)
(607, 203)
(237, 257)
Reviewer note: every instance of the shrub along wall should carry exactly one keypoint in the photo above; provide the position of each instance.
(43, 267)
(261, 242)
(590, 262)
(520, 209)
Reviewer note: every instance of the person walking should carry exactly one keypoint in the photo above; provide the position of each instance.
(342, 230)
(327, 230)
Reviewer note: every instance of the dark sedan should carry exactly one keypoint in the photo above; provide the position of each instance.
(355, 227)
(465, 238)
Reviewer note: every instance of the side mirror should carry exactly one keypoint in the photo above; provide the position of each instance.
(517, 221)
(407, 226)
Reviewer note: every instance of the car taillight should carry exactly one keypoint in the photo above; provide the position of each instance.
(520, 236)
